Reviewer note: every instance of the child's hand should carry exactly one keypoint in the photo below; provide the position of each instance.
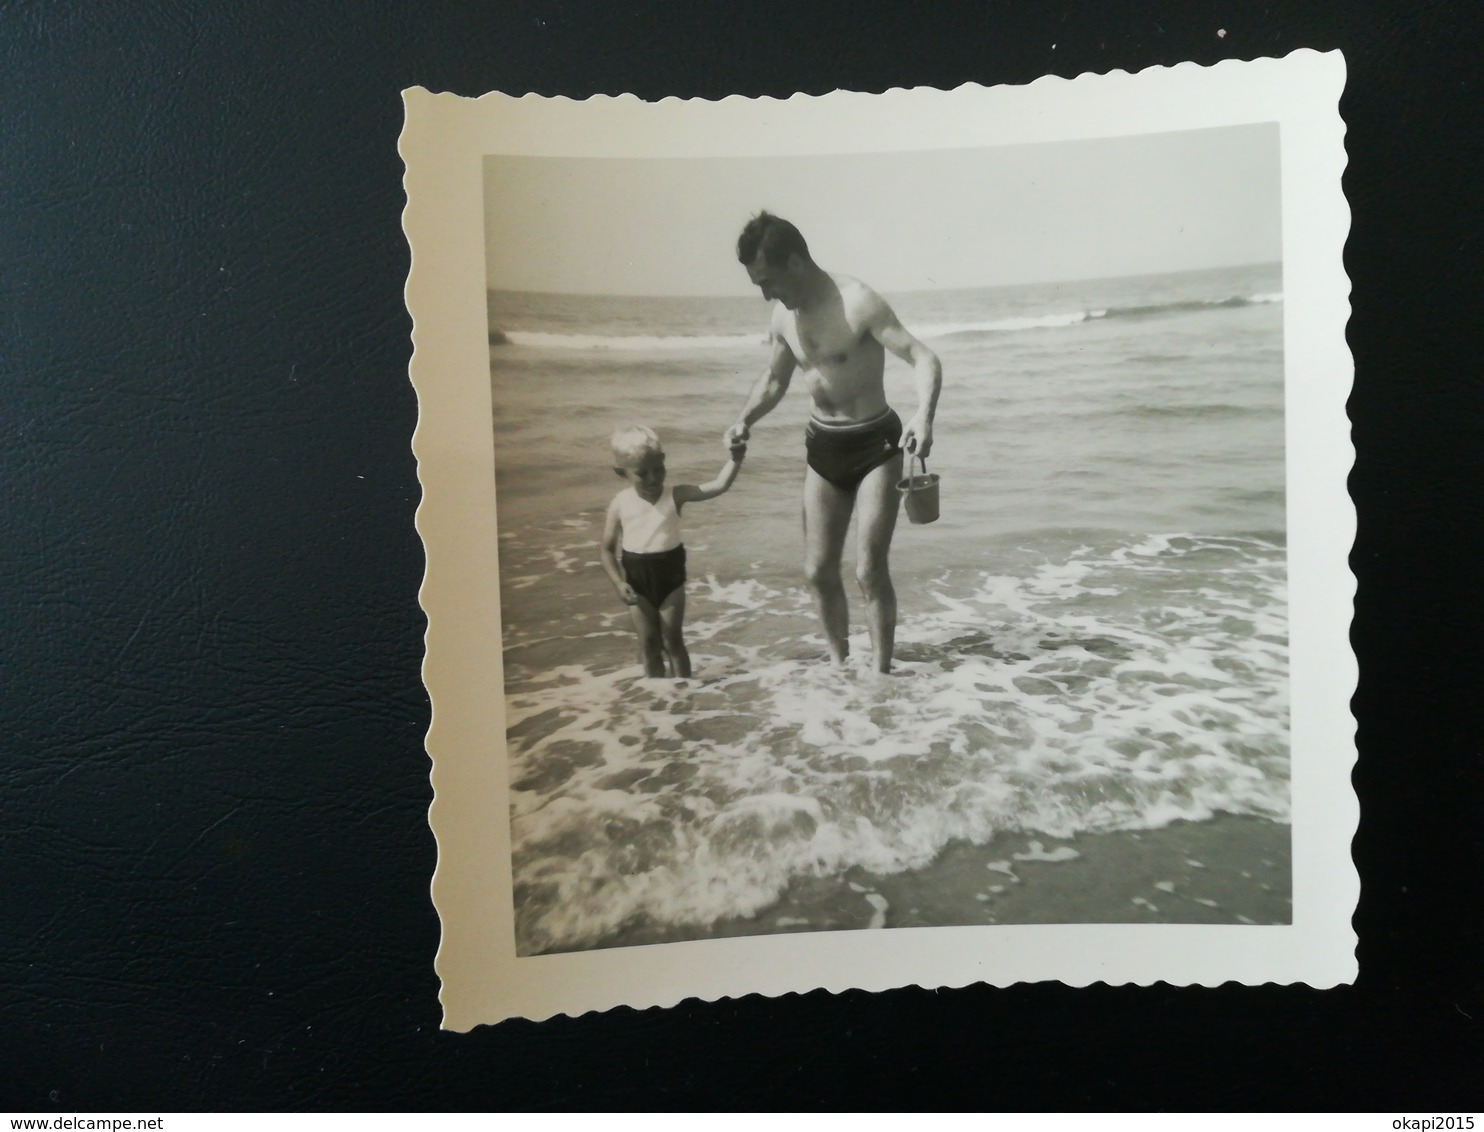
(627, 594)
(738, 449)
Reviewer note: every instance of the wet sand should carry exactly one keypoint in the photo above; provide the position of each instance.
(1229, 870)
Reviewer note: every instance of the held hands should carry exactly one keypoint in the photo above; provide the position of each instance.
(917, 437)
(737, 435)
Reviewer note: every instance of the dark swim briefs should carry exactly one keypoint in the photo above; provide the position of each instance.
(655, 576)
(845, 454)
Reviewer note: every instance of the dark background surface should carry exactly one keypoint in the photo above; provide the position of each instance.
(215, 857)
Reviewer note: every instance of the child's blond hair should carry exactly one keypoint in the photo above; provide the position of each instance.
(632, 442)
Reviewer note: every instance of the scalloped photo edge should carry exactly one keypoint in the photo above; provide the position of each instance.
(487, 972)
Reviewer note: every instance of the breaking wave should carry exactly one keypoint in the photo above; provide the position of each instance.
(546, 340)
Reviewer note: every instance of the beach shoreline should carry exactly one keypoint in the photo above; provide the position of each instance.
(1227, 870)
(1094, 636)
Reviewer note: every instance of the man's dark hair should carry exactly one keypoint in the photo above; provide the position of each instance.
(774, 236)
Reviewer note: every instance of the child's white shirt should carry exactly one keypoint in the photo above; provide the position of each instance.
(649, 528)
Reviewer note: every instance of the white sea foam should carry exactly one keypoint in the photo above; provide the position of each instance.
(1037, 852)
(1044, 704)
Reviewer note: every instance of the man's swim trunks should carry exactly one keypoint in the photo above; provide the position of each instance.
(845, 454)
(655, 576)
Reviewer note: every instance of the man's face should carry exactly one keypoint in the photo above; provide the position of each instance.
(776, 283)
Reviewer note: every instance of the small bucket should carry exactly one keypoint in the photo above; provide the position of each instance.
(920, 492)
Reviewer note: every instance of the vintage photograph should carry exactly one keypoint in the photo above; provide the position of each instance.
(745, 691)
(891, 538)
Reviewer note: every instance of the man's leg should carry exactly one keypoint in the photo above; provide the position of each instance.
(672, 633)
(877, 502)
(647, 624)
(826, 519)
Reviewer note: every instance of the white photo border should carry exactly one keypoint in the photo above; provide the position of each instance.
(443, 143)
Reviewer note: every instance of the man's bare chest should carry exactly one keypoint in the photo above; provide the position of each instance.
(823, 342)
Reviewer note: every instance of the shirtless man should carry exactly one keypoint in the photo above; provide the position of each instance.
(838, 331)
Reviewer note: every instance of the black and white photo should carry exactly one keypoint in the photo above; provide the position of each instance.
(742, 699)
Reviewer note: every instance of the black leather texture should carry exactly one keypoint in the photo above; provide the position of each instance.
(215, 859)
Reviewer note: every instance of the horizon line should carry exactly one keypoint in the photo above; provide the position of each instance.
(883, 290)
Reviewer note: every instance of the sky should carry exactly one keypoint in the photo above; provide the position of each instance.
(901, 221)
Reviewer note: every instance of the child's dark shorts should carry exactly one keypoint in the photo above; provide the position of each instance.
(655, 576)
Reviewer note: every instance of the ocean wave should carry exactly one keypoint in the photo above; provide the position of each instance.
(543, 340)
(1072, 318)
(1046, 703)
(549, 340)
(1210, 410)
(1001, 325)
(1190, 305)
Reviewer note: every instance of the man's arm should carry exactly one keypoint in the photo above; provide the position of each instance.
(927, 372)
(768, 390)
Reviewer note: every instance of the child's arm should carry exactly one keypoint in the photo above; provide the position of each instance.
(694, 493)
(612, 536)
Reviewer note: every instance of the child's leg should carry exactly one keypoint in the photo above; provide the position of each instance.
(647, 624)
(672, 627)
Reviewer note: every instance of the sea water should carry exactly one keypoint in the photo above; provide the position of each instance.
(1092, 637)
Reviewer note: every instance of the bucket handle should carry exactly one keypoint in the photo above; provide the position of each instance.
(921, 464)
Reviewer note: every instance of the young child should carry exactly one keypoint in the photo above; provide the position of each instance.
(644, 525)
